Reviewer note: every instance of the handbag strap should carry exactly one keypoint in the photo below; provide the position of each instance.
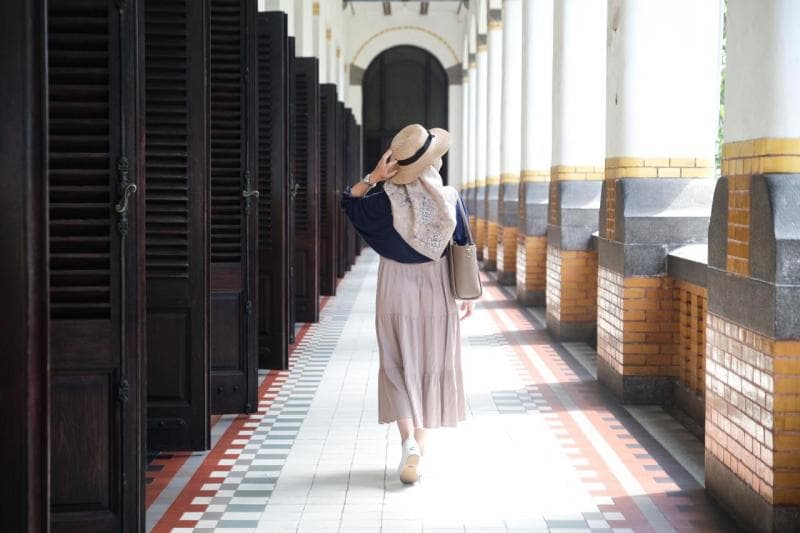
(465, 219)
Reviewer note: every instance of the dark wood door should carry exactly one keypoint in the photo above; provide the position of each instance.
(23, 284)
(347, 179)
(273, 182)
(306, 204)
(176, 241)
(341, 240)
(290, 303)
(233, 217)
(96, 286)
(329, 199)
(402, 85)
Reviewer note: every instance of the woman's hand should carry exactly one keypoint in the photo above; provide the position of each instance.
(468, 306)
(384, 169)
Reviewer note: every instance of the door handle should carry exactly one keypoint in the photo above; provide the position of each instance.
(248, 194)
(122, 206)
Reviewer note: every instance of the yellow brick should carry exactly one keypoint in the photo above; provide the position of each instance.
(669, 173)
(782, 146)
(730, 150)
(643, 282)
(786, 348)
(681, 161)
(697, 172)
(780, 164)
(638, 172)
(657, 162)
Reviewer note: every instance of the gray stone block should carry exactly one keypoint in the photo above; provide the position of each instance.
(632, 259)
(718, 227)
(755, 513)
(663, 211)
(653, 217)
(775, 228)
(571, 331)
(689, 263)
(576, 213)
(531, 298)
(508, 214)
(480, 202)
(492, 192)
(642, 390)
(537, 198)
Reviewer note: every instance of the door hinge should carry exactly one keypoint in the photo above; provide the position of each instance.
(123, 389)
(248, 307)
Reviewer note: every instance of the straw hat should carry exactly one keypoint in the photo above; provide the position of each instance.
(415, 148)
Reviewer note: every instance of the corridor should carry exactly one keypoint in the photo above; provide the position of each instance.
(544, 447)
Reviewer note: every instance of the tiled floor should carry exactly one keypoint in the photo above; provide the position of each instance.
(544, 447)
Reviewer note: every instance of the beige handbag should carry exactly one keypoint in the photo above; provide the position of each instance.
(465, 278)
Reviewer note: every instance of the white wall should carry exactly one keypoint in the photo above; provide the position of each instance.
(440, 32)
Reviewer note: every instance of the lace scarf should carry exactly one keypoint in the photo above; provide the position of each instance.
(424, 213)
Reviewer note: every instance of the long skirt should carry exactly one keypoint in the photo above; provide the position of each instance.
(417, 326)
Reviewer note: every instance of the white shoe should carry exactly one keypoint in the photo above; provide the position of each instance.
(408, 470)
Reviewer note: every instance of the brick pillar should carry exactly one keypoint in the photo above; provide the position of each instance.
(753, 327)
(537, 105)
(576, 172)
(511, 109)
(493, 133)
(659, 142)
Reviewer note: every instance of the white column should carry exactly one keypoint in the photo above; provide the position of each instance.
(319, 43)
(579, 78)
(511, 122)
(494, 97)
(467, 178)
(304, 27)
(331, 51)
(340, 83)
(537, 90)
(511, 106)
(454, 112)
(472, 153)
(763, 70)
(480, 142)
(576, 172)
(663, 93)
(536, 145)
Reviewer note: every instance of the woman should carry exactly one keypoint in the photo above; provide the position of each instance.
(403, 211)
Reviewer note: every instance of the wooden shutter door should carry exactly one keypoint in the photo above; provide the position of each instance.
(176, 240)
(347, 180)
(307, 206)
(341, 240)
(290, 303)
(233, 216)
(96, 278)
(329, 199)
(25, 445)
(273, 182)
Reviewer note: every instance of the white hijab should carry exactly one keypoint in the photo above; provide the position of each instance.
(424, 212)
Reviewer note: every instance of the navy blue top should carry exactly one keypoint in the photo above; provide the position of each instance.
(371, 215)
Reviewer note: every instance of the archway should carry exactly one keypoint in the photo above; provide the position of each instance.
(402, 85)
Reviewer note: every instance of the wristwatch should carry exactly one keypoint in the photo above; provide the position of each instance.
(365, 179)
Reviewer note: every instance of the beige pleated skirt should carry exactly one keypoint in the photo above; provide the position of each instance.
(419, 341)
